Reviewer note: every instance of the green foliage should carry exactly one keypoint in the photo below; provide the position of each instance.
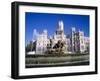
(30, 46)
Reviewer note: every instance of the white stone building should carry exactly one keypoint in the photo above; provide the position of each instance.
(68, 44)
(41, 43)
(87, 43)
(78, 41)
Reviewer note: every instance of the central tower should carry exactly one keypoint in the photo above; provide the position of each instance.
(60, 25)
(60, 30)
(60, 36)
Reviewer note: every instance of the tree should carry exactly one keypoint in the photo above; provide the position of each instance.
(30, 46)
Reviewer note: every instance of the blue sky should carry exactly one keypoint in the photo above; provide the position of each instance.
(41, 21)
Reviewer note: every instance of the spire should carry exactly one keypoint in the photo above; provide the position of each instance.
(73, 29)
(61, 25)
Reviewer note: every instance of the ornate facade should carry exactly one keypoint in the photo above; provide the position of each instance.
(77, 42)
(41, 42)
